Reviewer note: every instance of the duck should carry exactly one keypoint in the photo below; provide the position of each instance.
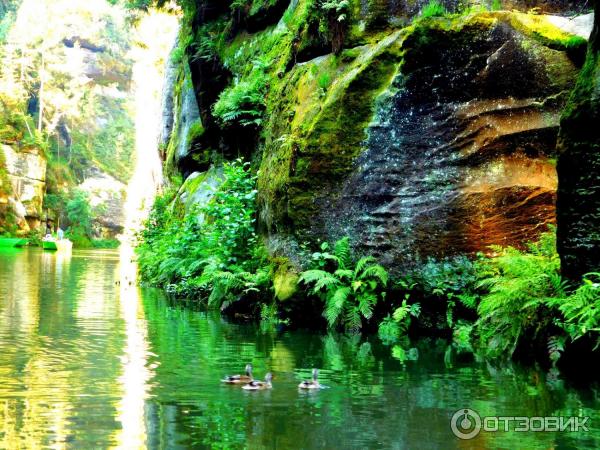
(240, 379)
(311, 384)
(256, 385)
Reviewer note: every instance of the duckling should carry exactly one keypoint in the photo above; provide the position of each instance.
(312, 384)
(256, 385)
(239, 379)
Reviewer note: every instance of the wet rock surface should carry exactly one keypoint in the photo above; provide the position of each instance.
(460, 154)
(107, 198)
(578, 203)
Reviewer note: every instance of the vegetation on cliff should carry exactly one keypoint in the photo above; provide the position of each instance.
(65, 95)
(295, 91)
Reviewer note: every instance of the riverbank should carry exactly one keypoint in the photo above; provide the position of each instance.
(510, 303)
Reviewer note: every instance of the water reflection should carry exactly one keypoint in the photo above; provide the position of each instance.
(135, 373)
(87, 363)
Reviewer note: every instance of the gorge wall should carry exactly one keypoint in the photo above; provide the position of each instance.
(73, 131)
(578, 230)
(417, 137)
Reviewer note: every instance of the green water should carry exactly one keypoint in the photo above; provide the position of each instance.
(85, 363)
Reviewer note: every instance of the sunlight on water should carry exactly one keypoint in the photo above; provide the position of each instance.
(135, 371)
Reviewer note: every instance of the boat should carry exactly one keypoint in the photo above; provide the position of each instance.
(57, 244)
(13, 242)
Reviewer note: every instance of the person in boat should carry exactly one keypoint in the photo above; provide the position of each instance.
(60, 233)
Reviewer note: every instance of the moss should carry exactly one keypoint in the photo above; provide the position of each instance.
(196, 131)
(541, 29)
(313, 139)
(285, 279)
(5, 183)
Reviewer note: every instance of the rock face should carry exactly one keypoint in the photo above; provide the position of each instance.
(107, 198)
(423, 137)
(578, 203)
(459, 155)
(456, 152)
(186, 124)
(26, 172)
(378, 12)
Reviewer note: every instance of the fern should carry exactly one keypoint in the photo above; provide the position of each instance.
(349, 293)
(342, 252)
(320, 278)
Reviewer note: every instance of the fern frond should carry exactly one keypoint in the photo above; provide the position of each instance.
(375, 271)
(343, 252)
(320, 278)
(362, 263)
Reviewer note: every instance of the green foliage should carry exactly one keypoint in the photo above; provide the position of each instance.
(337, 13)
(80, 216)
(339, 9)
(349, 292)
(105, 243)
(389, 330)
(581, 310)
(496, 5)
(212, 252)
(433, 9)
(525, 299)
(393, 326)
(451, 278)
(517, 284)
(244, 103)
(324, 80)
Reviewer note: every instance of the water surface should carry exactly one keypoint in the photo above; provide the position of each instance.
(87, 363)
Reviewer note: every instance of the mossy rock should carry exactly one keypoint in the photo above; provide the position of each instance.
(314, 134)
(285, 279)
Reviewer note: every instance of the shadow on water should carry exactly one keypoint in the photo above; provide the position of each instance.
(87, 363)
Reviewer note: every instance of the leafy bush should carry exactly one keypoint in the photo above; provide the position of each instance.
(452, 278)
(105, 243)
(80, 217)
(526, 299)
(211, 252)
(581, 310)
(350, 292)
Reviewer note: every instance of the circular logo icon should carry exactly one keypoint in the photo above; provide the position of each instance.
(465, 424)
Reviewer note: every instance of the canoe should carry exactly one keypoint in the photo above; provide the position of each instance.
(57, 245)
(13, 242)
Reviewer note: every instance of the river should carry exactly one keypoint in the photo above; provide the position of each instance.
(88, 363)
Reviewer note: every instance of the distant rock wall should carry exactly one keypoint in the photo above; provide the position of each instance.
(26, 171)
(107, 199)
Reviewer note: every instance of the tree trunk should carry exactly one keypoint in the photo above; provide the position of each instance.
(578, 197)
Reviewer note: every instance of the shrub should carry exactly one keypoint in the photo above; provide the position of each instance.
(349, 292)
(211, 252)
